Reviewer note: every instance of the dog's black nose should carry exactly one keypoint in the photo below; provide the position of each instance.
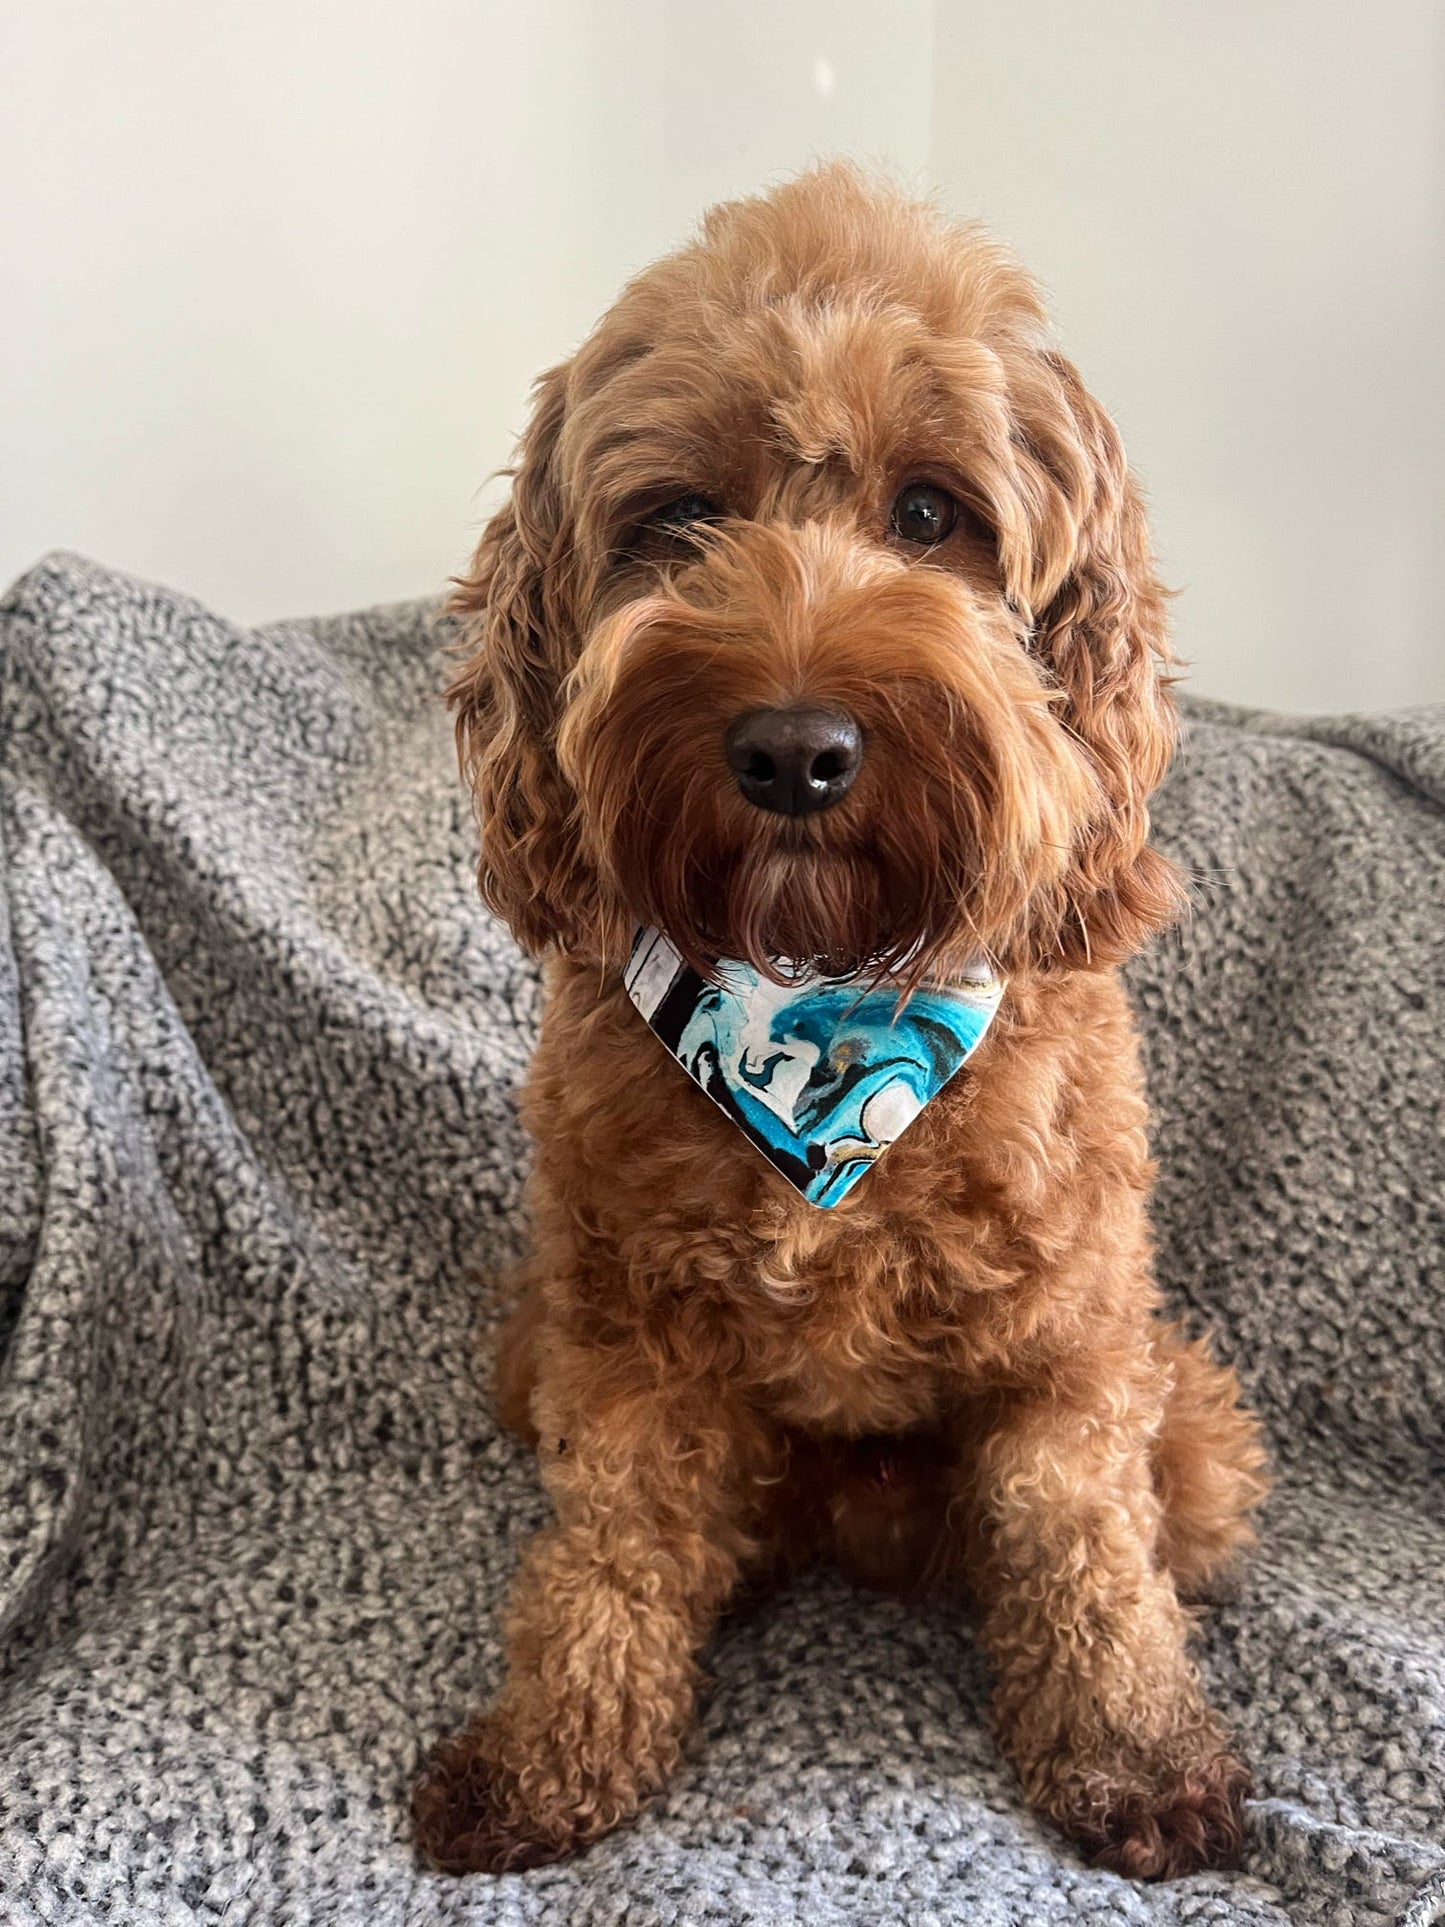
(795, 760)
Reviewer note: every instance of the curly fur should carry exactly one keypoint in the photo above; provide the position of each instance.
(956, 1380)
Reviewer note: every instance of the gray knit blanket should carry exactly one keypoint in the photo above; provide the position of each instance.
(260, 1166)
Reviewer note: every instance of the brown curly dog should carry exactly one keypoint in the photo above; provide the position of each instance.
(823, 462)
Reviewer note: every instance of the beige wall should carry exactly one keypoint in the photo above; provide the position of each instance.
(278, 272)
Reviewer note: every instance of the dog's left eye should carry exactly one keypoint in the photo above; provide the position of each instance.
(923, 513)
(685, 513)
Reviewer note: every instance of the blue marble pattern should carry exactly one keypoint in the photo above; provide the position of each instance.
(822, 1074)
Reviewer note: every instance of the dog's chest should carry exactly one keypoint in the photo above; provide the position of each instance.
(852, 1388)
(864, 1334)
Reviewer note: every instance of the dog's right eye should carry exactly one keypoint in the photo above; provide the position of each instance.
(923, 513)
(676, 518)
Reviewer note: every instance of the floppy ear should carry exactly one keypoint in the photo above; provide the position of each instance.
(1101, 629)
(518, 645)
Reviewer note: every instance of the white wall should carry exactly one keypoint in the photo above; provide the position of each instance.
(278, 272)
(1238, 207)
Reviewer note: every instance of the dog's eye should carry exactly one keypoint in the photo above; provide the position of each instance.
(923, 513)
(675, 518)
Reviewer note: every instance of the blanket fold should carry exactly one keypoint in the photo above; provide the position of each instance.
(260, 1167)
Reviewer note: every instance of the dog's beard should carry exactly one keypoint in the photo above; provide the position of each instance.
(943, 858)
(956, 833)
(784, 901)
(812, 907)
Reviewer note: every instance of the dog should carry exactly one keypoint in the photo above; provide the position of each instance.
(820, 633)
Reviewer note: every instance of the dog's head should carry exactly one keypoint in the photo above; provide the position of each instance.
(821, 622)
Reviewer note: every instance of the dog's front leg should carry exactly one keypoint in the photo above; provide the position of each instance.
(649, 1467)
(1096, 1698)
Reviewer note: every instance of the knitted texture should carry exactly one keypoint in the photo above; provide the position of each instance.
(259, 1166)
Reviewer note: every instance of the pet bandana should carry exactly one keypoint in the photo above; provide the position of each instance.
(820, 1073)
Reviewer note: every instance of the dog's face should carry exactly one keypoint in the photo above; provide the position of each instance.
(821, 623)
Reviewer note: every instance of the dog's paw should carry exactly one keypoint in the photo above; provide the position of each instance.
(1187, 1821)
(467, 1818)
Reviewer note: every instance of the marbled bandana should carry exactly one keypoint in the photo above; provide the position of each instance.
(822, 1074)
